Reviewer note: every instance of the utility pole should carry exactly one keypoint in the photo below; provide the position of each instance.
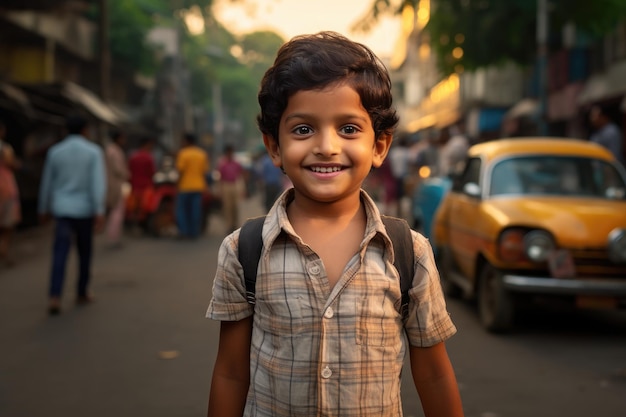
(542, 63)
(104, 60)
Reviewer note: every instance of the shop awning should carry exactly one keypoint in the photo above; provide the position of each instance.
(524, 107)
(15, 95)
(90, 102)
(436, 120)
(604, 86)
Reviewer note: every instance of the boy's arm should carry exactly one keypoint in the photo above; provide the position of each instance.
(435, 381)
(231, 373)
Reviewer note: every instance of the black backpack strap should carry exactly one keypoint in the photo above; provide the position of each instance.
(250, 247)
(400, 234)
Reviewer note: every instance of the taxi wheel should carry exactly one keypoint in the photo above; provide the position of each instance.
(495, 303)
(444, 261)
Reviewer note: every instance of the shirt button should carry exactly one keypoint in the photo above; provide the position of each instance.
(326, 373)
(329, 313)
(314, 269)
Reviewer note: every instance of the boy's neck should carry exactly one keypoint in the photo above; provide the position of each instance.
(302, 208)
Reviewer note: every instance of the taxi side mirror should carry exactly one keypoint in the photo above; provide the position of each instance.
(472, 189)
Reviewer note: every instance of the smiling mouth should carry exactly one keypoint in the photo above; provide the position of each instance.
(326, 170)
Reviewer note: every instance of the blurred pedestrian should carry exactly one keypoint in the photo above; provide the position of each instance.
(192, 163)
(273, 181)
(390, 188)
(606, 133)
(142, 168)
(453, 152)
(427, 160)
(117, 175)
(399, 160)
(231, 184)
(73, 191)
(10, 213)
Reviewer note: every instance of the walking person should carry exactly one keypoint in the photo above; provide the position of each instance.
(273, 181)
(453, 152)
(142, 168)
(325, 335)
(117, 175)
(73, 189)
(192, 163)
(606, 133)
(400, 164)
(231, 183)
(10, 213)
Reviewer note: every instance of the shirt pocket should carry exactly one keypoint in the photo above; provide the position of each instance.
(377, 322)
(280, 318)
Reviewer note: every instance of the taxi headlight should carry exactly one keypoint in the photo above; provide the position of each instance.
(617, 245)
(538, 245)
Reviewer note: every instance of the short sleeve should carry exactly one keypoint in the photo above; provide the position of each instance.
(428, 322)
(228, 300)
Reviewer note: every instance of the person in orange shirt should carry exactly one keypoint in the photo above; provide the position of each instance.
(192, 163)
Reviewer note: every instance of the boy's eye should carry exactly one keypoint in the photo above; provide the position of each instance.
(349, 130)
(302, 130)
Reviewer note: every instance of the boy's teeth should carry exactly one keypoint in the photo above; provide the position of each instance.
(325, 169)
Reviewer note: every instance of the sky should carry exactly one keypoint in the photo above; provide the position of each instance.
(294, 17)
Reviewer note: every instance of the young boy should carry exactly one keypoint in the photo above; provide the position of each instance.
(325, 337)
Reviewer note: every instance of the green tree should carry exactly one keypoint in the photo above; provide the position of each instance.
(490, 32)
(258, 50)
(236, 64)
(131, 20)
(493, 32)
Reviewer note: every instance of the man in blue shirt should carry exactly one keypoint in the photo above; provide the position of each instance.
(607, 133)
(73, 190)
(273, 178)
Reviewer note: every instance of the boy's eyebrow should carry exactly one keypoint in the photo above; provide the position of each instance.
(312, 115)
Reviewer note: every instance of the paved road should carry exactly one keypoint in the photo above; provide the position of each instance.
(145, 349)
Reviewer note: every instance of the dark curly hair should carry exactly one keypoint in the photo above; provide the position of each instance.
(313, 62)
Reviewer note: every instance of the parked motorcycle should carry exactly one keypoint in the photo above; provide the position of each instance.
(157, 211)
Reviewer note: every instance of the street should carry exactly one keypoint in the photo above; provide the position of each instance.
(144, 347)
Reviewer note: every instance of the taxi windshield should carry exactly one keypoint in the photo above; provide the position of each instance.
(557, 175)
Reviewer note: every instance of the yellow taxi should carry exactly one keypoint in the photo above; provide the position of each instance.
(534, 218)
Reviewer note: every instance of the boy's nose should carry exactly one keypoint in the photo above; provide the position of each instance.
(328, 143)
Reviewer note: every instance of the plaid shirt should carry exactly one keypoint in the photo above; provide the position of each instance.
(321, 351)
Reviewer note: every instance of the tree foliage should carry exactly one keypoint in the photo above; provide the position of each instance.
(494, 31)
(210, 61)
(207, 59)
(131, 20)
(378, 9)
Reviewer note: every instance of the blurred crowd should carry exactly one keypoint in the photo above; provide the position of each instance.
(411, 160)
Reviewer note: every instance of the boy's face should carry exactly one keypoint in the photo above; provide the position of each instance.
(327, 143)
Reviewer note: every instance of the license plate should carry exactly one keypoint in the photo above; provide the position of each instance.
(561, 264)
(596, 301)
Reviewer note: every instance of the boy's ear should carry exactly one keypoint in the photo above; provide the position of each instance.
(273, 149)
(381, 149)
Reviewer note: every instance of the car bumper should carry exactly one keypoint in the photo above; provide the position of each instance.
(560, 286)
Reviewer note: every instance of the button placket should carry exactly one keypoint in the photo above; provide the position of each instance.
(314, 269)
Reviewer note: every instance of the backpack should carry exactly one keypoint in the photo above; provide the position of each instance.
(251, 245)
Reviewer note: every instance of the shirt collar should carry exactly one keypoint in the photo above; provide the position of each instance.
(277, 222)
(75, 137)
